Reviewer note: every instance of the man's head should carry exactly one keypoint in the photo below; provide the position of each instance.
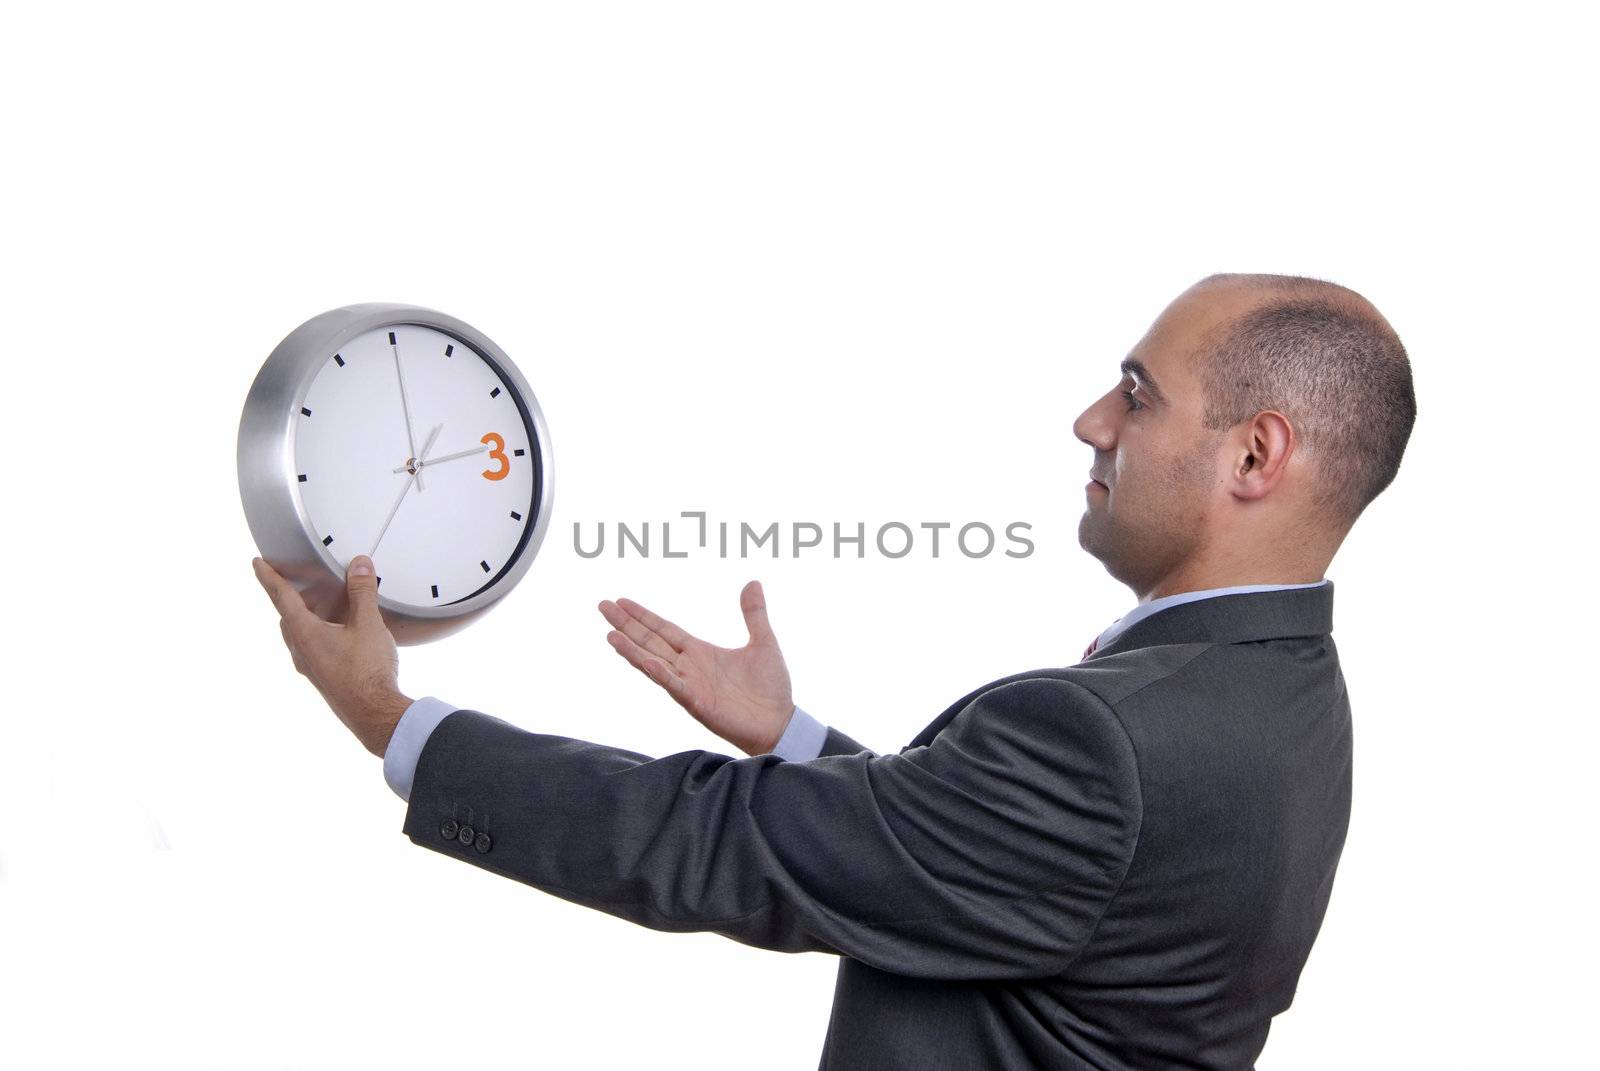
(1266, 412)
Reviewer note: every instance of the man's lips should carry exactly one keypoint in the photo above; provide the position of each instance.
(1097, 480)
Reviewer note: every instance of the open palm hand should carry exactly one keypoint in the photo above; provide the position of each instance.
(741, 694)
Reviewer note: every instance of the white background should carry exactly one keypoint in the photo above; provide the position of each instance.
(851, 262)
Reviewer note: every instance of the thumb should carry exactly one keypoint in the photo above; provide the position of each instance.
(363, 587)
(753, 601)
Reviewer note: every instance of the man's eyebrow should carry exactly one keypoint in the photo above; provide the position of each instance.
(1135, 367)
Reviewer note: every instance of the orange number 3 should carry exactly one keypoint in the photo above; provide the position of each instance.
(499, 454)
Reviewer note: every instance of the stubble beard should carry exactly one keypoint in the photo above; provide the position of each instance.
(1140, 551)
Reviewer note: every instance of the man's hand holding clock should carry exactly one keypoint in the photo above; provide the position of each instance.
(355, 665)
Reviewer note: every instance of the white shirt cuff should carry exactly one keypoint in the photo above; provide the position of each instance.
(410, 735)
(802, 739)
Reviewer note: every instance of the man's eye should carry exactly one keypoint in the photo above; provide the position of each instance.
(1133, 403)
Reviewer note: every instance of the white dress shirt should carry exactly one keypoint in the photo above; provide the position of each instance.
(802, 738)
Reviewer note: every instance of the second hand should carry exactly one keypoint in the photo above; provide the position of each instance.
(404, 488)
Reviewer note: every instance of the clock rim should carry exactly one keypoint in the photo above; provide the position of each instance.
(267, 482)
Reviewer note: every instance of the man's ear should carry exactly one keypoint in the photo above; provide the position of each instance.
(1263, 455)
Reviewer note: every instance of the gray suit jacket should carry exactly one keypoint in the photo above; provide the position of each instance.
(1118, 864)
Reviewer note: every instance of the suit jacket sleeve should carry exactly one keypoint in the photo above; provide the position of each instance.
(836, 743)
(990, 853)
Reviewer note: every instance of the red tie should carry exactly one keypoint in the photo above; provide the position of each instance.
(1089, 650)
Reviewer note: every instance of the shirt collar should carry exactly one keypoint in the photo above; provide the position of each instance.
(1145, 609)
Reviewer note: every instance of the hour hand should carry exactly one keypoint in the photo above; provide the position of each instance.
(422, 458)
(447, 457)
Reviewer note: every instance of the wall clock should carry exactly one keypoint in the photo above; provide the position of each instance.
(404, 434)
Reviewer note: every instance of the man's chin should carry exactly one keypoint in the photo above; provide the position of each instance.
(1087, 535)
(1096, 538)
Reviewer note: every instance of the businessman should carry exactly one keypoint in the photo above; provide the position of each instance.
(1119, 863)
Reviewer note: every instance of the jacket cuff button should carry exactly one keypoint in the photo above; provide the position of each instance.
(482, 843)
(465, 835)
(447, 829)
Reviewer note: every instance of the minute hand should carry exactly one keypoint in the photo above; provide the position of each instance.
(405, 404)
(447, 457)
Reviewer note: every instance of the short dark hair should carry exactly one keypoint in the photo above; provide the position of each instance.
(1322, 355)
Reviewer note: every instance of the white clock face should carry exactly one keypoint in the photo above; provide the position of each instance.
(454, 528)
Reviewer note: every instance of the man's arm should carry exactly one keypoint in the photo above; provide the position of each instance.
(804, 738)
(989, 853)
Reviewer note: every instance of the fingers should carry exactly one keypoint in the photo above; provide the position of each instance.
(634, 629)
(675, 685)
(646, 663)
(291, 607)
(753, 601)
(362, 583)
(674, 637)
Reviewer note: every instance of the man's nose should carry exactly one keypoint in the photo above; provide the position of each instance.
(1094, 428)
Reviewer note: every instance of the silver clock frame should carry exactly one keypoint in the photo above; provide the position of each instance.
(269, 487)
